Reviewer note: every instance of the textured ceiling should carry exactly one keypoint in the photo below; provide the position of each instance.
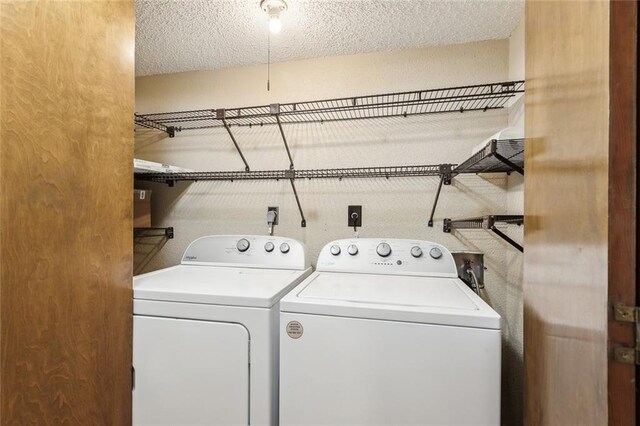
(190, 35)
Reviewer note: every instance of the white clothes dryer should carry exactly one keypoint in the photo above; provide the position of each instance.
(385, 333)
(205, 332)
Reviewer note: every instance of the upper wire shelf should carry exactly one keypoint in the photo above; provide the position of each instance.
(481, 97)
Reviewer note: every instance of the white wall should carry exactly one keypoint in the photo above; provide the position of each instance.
(513, 330)
(398, 207)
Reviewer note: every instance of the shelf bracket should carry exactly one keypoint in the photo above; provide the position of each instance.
(435, 202)
(220, 114)
(151, 124)
(505, 237)
(303, 222)
(159, 232)
(445, 178)
(514, 166)
(486, 222)
(275, 110)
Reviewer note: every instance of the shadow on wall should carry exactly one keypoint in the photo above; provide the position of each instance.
(144, 249)
(147, 137)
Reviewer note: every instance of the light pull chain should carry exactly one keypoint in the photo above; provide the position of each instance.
(268, 60)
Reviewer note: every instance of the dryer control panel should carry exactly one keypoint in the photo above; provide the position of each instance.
(248, 251)
(387, 256)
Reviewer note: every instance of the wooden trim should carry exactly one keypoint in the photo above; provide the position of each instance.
(622, 201)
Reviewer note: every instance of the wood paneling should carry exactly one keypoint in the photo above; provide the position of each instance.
(566, 212)
(66, 145)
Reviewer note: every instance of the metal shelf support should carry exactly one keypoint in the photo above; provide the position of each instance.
(303, 221)
(151, 124)
(220, 113)
(509, 163)
(153, 232)
(486, 222)
(505, 237)
(445, 178)
(275, 110)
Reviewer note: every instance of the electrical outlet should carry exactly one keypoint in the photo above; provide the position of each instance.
(277, 210)
(357, 210)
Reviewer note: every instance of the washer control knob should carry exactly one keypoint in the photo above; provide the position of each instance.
(383, 249)
(335, 250)
(352, 249)
(243, 245)
(435, 252)
(284, 248)
(269, 247)
(416, 251)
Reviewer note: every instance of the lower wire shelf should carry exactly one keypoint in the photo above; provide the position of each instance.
(153, 232)
(339, 173)
(291, 175)
(486, 222)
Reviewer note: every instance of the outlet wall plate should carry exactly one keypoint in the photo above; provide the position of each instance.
(358, 210)
(277, 210)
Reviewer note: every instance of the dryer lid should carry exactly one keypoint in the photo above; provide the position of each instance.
(217, 285)
(430, 300)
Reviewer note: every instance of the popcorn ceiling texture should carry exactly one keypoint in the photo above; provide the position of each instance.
(394, 208)
(191, 35)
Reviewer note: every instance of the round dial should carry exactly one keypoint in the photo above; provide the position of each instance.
(435, 252)
(284, 248)
(383, 249)
(243, 245)
(269, 246)
(335, 250)
(352, 249)
(416, 251)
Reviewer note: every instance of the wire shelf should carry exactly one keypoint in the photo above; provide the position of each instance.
(339, 173)
(480, 97)
(487, 222)
(497, 156)
(153, 232)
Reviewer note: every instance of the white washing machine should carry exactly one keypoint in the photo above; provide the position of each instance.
(205, 332)
(385, 333)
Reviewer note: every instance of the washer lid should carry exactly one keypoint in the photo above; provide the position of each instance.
(430, 300)
(217, 285)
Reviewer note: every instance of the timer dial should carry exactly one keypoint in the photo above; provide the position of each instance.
(243, 245)
(435, 252)
(383, 249)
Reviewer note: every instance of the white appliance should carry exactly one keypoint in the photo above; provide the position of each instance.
(205, 332)
(385, 333)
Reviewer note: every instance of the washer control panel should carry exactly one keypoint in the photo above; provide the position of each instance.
(387, 256)
(247, 251)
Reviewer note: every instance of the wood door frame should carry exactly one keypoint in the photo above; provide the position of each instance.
(623, 153)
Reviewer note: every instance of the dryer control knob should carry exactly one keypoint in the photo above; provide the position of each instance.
(416, 251)
(435, 252)
(243, 245)
(352, 249)
(284, 248)
(383, 249)
(335, 250)
(269, 246)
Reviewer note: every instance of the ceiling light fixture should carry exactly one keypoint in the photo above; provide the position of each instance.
(273, 8)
